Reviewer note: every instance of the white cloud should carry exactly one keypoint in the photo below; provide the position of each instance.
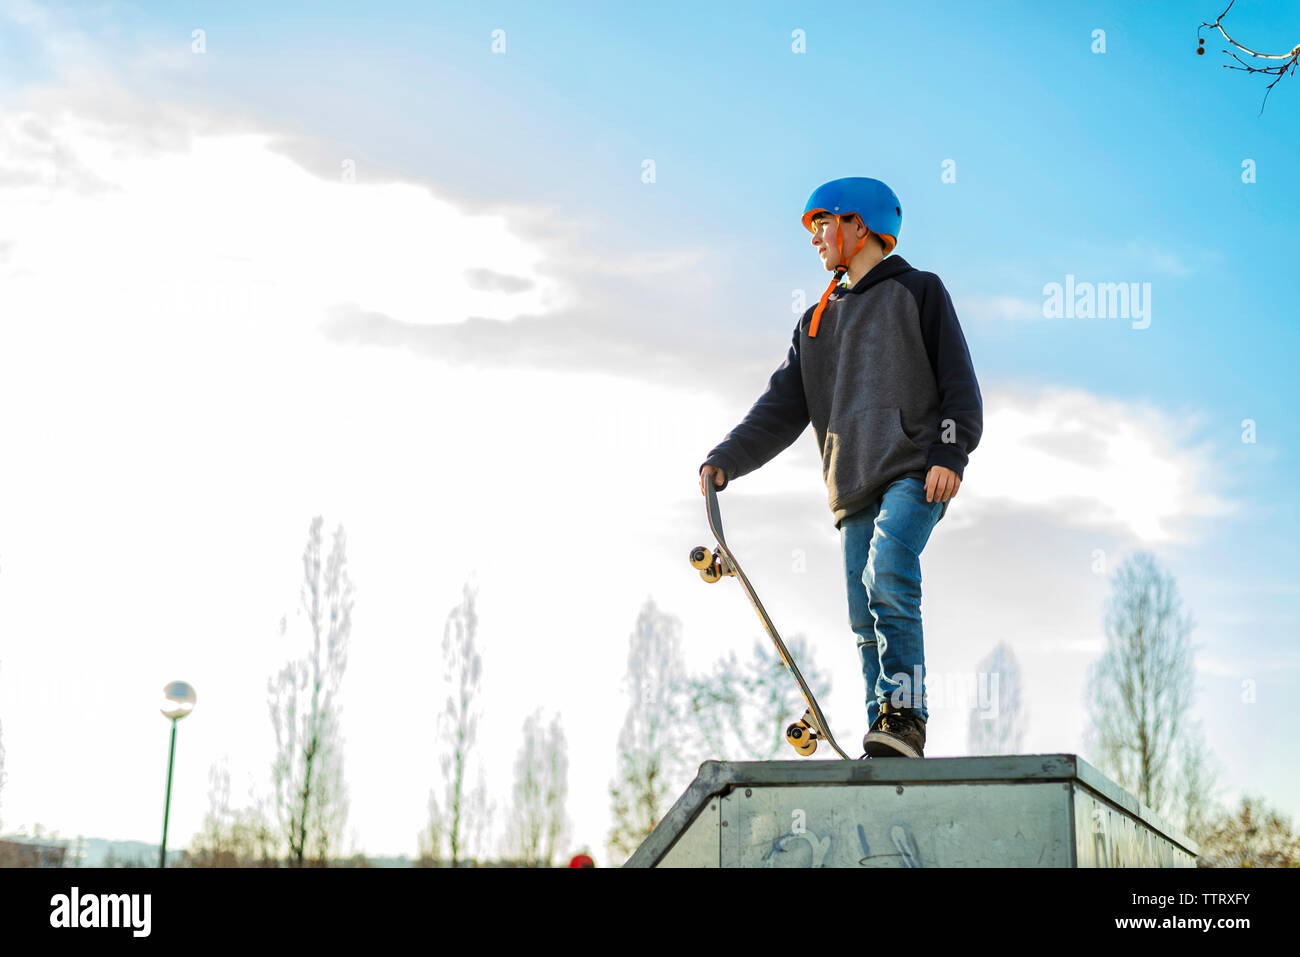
(230, 217)
(1094, 462)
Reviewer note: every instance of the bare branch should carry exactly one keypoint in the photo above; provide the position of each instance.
(1281, 70)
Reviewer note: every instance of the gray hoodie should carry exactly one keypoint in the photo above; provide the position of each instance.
(887, 383)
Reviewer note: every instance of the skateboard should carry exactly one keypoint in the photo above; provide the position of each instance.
(804, 734)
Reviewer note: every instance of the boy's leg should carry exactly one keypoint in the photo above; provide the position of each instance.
(855, 545)
(891, 579)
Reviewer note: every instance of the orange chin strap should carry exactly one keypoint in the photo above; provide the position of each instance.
(840, 270)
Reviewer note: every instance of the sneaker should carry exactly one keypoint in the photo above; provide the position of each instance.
(896, 732)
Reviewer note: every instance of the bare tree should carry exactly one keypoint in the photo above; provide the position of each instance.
(537, 822)
(432, 840)
(76, 856)
(997, 726)
(460, 818)
(1193, 803)
(311, 799)
(215, 844)
(231, 837)
(1253, 835)
(1287, 60)
(648, 761)
(741, 712)
(1141, 689)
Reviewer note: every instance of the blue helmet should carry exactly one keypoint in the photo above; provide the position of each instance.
(871, 199)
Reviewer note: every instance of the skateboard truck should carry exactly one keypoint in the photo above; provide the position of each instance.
(712, 566)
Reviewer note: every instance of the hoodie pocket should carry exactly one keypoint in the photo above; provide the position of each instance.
(868, 449)
(907, 433)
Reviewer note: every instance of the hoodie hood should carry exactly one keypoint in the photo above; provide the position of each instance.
(887, 268)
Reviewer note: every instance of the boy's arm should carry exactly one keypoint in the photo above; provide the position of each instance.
(778, 418)
(954, 374)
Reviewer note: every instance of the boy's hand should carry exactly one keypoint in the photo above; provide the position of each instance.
(941, 484)
(711, 472)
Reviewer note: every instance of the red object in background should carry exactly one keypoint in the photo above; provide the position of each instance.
(582, 860)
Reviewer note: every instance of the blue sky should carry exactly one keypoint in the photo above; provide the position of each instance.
(671, 301)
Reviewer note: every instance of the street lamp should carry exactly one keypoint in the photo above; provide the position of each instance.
(178, 701)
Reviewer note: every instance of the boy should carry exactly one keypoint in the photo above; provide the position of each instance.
(881, 369)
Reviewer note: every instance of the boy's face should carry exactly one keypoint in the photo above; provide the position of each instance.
(825, 230)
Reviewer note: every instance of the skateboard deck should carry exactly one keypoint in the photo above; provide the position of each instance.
(804, 734)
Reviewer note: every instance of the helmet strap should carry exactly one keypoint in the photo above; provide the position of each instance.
(840, 270)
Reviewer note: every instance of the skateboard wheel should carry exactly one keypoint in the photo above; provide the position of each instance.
(801, 737)
(701, 558)
(804, 745)
(710, 574)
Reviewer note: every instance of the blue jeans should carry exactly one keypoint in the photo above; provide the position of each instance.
(882, 563)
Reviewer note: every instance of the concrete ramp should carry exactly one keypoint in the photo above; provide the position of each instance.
(1035, 810)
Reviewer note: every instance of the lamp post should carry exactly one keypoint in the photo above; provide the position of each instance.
(179, 701)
